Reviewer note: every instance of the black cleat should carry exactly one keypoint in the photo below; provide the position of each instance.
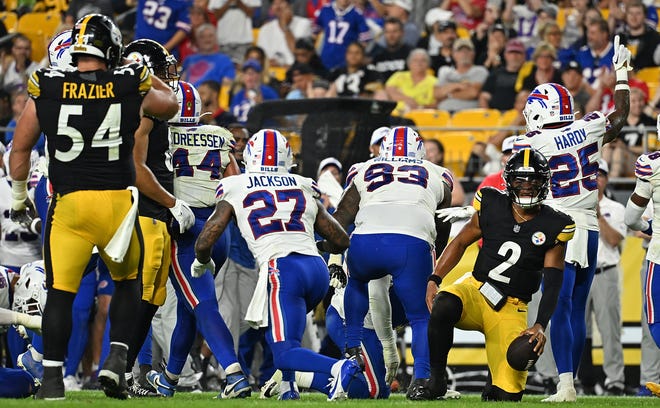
(419, 390)
(356, 353)
(112, 377)
(52, 385)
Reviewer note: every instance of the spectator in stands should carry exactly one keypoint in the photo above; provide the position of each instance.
(304, 53)
(490, 23)
(439, 43)
(596, 56)
(167, 22)
(257, 53)
(523, 17)
(621, 153)
(546, 14)
(435, 153)
(618, 14)
(542, 70)
(5, 112)
(314, 7)
(234, 25)
(16, 69)
(467, 14)
(642, 40)
(572, 79)
(19, 99)
(278, 36)
(502, 81)
(303, 77)
(207, 63)
(551, 33)
(401, 9)
(492, 56)
(574, 22)
(80, 8)
(413, 89)
(252, 92)
(391, 57)
(355, 79)
(198, 17)
(341, 25)
(209, 92)
(494, 173)
(459, 87)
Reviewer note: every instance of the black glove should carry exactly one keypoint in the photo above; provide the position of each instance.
(338, 277)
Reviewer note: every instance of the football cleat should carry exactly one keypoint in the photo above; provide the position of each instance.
(71, 383)
(272, 387)
(52, 385)
(29, 364)
(562, 395)
(237, 386)
(161, 384)
(654, 388)
(111, 376)
(419, 390)
(343, 372)
(291, 393)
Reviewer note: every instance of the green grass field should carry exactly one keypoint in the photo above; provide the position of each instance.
(96, 399)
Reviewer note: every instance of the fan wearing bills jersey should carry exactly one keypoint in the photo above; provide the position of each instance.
(573, 148)
(201, 156)
(277, 214)
(392, 201)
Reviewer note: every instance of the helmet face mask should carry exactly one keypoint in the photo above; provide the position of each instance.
(527, 178)
(548, 104)
(98, 36)
(268, 151)
(155, 57)
(402, 141)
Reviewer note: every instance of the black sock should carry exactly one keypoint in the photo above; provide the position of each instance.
(125, 301)
(56, 324)
(142, 325)
(447, 309)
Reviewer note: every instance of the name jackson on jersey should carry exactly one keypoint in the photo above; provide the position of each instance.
(260, 180)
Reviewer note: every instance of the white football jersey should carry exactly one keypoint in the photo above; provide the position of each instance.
(572, 152)
(200, 155)
(18, 245)
(275, 212)
(400, 196)
(647, 168)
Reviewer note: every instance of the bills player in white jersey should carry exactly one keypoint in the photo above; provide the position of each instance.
(201, 156)
(392, 201)
(647, 171)
(277, 214)
(573, 148)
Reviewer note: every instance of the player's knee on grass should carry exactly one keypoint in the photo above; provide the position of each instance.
(495, 393)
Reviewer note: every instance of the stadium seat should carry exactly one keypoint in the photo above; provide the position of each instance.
(487, 118)
(9, 18)
(39, 28)
(649, 75)
(426, 118)
(458, 145)
(507, 118)
(653, 89)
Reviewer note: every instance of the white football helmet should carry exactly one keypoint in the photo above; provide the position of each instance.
(268, 151)
(548, 104)
(30, 289)
(190, 105)
(402, 141)
(59, 56)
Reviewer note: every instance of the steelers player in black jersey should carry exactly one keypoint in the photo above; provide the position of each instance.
(157, 204)
(89, 117)
(523, 242)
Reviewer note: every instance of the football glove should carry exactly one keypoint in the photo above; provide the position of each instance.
(22, 210)
(649, 230)
(198, 269)
(453, 214)
(338, 278)
(183, 215)
(621, 60)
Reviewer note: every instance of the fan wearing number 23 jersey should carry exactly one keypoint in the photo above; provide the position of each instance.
(572, 148)
(201, 156)
(392, 200)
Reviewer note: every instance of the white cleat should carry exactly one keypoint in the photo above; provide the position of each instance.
(71, 384)
(562, 395)
(451, 394)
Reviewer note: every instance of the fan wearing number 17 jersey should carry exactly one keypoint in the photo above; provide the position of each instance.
(392, 200)
(277, 214)
(201, 155)
(572, 148)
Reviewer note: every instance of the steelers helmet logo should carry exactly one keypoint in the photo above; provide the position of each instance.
(135, 56)
(538, 238)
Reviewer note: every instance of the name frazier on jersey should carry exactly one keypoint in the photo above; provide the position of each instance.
(72, 90)
(570, 139)
(198, 139)
(271, 181)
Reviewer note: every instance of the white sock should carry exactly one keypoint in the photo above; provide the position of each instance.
(566, 381)
(233, 368)
(173, 377)
(36, 356)
(285, 386)
(304, 379)
(116, 343)
(52, 363)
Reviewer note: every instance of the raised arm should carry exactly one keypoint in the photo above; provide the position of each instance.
(621, 62)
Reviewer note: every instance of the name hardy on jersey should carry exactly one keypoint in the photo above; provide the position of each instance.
(197, 139)
(271, 181)
(570, 139)
(73, 90)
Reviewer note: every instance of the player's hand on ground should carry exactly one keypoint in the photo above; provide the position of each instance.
(198, 269)
(621, 57)
(183, 215)
(338, 278)
(536, 332)
(454, 214)
(391, 369)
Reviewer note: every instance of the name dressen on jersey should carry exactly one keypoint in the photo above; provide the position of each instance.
(197, 139)
(262, 180)
(570, 139)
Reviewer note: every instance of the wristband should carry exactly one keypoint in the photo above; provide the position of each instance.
(622, 74)
(33, 226)
(622, 87)
(435, 279)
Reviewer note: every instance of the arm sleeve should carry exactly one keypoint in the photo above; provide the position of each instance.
(552, 280)
(633, 217)
(381, 316)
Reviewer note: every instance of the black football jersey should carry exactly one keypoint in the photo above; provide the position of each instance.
(160, 164)
(513, 253)
(89, 119)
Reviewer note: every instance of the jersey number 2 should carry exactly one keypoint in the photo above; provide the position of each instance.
(257, 216)
(512, 252)
(109, 126)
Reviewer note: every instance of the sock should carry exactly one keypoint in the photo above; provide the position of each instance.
(305, 380)
(125, 301)
(57, 323)
(565, 381)
(233, 368)
(143, 324)
(171, 378)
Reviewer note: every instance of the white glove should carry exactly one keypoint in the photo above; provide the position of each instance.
(198, 269)
(453, 214)
(621, 60)
(183, 215)
(391, 364)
